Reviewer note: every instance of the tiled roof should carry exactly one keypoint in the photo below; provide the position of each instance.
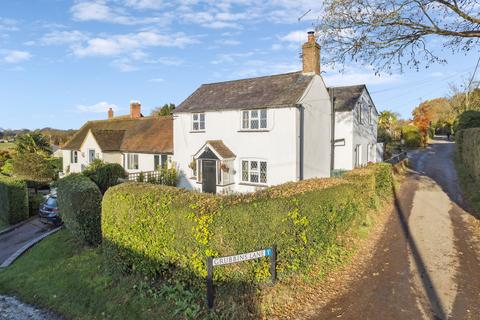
(221, 149)
(148, 135)
(277, 91)
(346, 97)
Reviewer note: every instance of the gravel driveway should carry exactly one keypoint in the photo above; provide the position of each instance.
(12, 309)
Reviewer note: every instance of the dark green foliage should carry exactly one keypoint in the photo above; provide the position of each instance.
(33, 167)
(13, 200)
(164, 110)
(469, 150)
(412, 137)
(79, 202)
(34, 202)
(105, 175)
(159, 230)
(468, 119)
(34, 142)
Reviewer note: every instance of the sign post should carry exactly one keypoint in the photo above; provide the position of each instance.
(220, 261)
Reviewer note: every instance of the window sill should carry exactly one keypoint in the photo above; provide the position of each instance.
(197, 131)
(252, 184)
(253, 130)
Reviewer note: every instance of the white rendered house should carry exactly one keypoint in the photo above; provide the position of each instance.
(356, 119)
(243, 135)
(139, 144)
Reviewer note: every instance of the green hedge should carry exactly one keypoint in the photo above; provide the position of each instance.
(159, 230)
(13, 200)
(468, 119)
(469, 150)
(412, 137)
(79, 202)
(105, 175)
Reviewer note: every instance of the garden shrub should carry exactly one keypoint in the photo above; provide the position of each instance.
(160, 230)
(412, 137)
(34, 202)
(79, 202)
(13, 200)
(105, 175)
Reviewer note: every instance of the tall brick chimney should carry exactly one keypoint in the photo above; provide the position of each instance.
(135, 109)
(110, 113)
(311, 55)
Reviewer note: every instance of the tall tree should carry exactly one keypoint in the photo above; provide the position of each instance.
(423, 115)
(33, 142)
(385, 33)
(164, 110)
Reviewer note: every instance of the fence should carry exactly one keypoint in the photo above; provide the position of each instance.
(146, 176)
(397, 158)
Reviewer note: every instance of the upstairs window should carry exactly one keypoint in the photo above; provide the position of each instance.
(74, 156)
(254, 171)
(198, 121)
(254, 119)
(132, 161)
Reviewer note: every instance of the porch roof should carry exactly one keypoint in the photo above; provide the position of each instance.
(218, 148)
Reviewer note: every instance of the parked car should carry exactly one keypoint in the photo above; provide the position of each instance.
(49, 212)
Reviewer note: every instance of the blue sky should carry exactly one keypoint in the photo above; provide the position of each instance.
(64, 62)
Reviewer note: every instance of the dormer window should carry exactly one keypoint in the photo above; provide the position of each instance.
(198, 122)
(254, 119)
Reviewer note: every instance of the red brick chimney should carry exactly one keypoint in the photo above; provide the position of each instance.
(311, 55)
(110, 113)
(135, 109)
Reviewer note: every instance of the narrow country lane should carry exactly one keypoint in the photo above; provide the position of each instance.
(427, 262)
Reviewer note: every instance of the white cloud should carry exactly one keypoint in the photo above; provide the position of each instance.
(99, 107)
(128, 43)
(156, 80)
(167, 61)
(358, 76)
(145, 4)
(231, 57)
(228, 42)
(8, 24)
(296, 37)
(15, 56)
(63, 37)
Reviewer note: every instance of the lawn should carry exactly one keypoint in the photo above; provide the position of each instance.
(67, 278)
(7, 145)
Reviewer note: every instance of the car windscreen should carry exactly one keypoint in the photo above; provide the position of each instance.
(51, 202)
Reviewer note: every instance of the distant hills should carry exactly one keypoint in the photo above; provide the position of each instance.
(56, 136)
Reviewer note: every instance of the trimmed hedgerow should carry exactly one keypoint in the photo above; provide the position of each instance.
(470, 151)
(13, 200)
(159, 230)
(105, 175)
(411, 136)
(79, 202)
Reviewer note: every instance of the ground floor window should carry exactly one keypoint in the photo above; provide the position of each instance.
(73, 156)
(160, 161)
(132, 161)
(254, 171)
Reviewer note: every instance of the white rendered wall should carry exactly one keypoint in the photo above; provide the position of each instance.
(344, 130)
(276, 145)
(365, 133)
(88, 143)
(317, 131)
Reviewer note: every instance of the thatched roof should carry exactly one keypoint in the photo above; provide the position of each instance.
(143, 135)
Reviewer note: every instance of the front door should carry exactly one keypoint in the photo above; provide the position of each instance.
(91, 155)
(209, 174)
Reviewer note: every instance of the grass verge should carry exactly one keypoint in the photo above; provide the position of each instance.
(61, 275)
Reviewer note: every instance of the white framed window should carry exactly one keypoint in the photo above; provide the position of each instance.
(73, 156)
(254, 171)
(132, 161)
(254, 119)
(359, 113)
(198, 121)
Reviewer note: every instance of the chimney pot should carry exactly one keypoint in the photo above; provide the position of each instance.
(110, 113)
(135, 109)
(311, 55)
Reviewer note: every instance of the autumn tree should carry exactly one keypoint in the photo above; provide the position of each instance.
(422, 119)
(164, 110)
(385, 33)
